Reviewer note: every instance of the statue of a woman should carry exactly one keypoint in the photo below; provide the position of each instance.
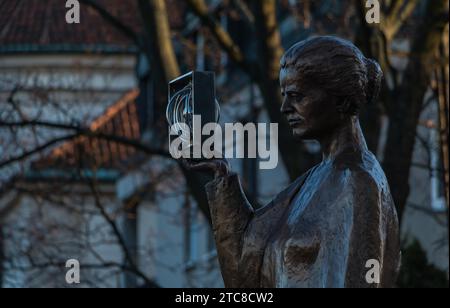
(336, 225)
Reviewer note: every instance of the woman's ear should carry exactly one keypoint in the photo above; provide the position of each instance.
(342, 105)
(346, 106)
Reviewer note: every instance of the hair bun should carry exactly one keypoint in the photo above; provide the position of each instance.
(374, 77)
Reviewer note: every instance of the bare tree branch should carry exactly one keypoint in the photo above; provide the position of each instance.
(245, 11)
(405, 112)
(114, 21)
(36, 150)
(121, 241)
(396, 15)
(156, 24)
(224, 39)
(429, 212)
(80, 131)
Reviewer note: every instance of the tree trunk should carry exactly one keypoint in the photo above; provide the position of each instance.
(370, 116)
(408, 98)
(443, 88)
(296, 159)
(156, 23)
(164, 68)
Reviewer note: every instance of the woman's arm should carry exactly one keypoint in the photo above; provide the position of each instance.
(230, 215)
(367, 239)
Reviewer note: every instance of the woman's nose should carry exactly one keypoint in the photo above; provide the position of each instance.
(285, 106)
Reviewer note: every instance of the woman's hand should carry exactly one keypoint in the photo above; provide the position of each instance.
(219, 166)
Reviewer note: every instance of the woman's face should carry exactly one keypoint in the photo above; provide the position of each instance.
(310, 111)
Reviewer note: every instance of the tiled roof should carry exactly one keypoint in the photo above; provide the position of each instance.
(37, 25)
(121, 120)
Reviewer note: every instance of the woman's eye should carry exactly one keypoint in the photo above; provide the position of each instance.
(295, 95)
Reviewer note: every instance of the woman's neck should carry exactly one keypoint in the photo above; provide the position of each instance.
(347, 136)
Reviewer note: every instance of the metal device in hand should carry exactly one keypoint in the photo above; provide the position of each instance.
(192, 95)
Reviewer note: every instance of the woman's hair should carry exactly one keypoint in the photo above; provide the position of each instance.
(339, 67)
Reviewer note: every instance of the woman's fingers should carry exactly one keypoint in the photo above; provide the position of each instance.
(218, 166)
(199, 165)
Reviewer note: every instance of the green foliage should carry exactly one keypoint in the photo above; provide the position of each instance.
(417, 272)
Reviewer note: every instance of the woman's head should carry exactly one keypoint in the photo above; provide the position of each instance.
(325, 81)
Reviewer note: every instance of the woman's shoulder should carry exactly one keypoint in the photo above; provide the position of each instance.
(361, 168)
(364, 183)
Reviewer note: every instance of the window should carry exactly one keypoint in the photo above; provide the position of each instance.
(437, 189)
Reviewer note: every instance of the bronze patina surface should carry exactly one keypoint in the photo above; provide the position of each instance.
(322, 229)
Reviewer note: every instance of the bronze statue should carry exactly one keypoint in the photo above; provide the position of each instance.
(322, 229)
